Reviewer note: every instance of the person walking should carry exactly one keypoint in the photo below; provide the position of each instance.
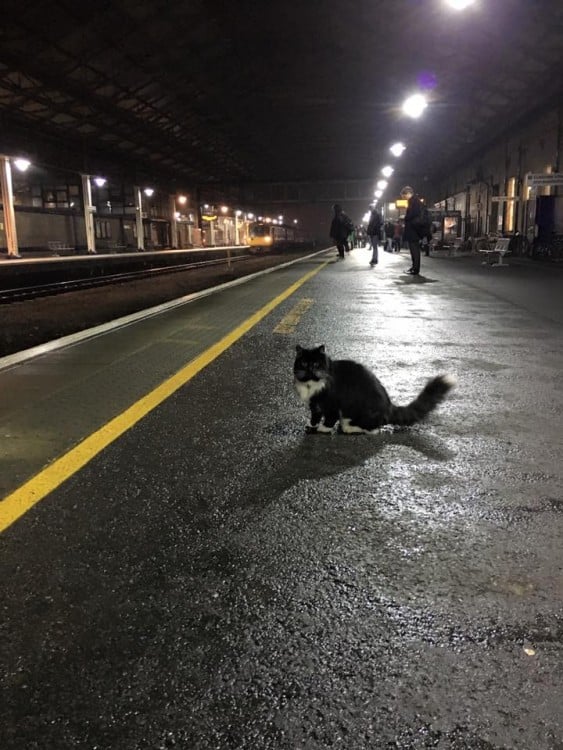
(341, 226)
(373, 231)
(415, 227)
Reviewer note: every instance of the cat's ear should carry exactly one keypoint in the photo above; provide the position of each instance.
(298, 349)
(322, 349)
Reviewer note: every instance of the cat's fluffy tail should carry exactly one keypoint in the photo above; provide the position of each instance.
(428, 399)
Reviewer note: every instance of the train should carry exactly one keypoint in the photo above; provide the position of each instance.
(269, 237)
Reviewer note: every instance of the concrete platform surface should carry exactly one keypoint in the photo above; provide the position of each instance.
(215, 578)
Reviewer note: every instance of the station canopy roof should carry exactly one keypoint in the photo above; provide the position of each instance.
(239, 91)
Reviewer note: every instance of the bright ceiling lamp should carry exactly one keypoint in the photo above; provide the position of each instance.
(387, 171)
(378, 193)
(397, 148)
(100, 181)
(382, 184)
(22, 164)
(460, 4)
(414, 105)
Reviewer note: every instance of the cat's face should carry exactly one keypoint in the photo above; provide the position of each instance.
(310, 364)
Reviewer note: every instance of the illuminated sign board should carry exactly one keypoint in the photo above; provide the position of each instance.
(401, 203)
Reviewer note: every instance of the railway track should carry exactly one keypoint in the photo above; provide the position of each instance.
(20, 294)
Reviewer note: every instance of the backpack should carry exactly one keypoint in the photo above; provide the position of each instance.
(348, 224)
(374, 225)
(422, 223)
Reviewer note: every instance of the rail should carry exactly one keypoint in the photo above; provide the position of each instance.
(44, 290)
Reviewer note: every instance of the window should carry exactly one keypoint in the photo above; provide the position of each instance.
(102, 230)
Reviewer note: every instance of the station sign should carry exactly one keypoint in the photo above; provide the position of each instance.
(545, 180)
(401, 203)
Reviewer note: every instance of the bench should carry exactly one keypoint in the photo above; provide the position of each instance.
(448, 247)
(500, 248)
(114, 247)
(57, 247)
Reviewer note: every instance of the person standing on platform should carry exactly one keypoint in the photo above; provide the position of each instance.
(397, 237)
(373, 231)
(388, 229)
(340, 228)
(415, 227)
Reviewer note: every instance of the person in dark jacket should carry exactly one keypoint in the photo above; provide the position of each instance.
(373, 231)
(414, 231)
(340, 229)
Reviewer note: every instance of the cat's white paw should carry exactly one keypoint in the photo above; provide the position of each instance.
(350, 429)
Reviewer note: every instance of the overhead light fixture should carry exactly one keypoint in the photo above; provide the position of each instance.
(397, 148)
(100, 181)
(460, 4)
(182, 200)
(22, 164)
(414, 105)
(148, 192)
(387, 171)
(382, 184)
(378, 193)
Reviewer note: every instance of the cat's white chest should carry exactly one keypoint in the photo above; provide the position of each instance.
(309, 388)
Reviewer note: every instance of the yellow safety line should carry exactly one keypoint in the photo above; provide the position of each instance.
(14, 505)
(289, 322)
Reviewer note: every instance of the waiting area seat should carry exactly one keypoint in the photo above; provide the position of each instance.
(498, 250)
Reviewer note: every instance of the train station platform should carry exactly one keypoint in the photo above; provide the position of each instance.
(182, 566)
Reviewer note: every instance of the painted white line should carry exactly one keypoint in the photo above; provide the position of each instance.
(11, 360)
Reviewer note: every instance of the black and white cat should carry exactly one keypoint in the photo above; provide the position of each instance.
(345, 391)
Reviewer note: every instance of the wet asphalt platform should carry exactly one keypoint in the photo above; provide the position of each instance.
(215, 578)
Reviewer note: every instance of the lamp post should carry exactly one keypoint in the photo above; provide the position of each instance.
(139, 218)
(7, 195)
(174, 216)
(89, 210)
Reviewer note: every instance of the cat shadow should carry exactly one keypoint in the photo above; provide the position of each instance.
(318, 456)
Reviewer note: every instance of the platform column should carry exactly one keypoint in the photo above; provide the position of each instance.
(7, 195)
(173, 223)
(88, 214)
(139, 218)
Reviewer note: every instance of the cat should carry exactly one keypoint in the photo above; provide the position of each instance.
(344, 391)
